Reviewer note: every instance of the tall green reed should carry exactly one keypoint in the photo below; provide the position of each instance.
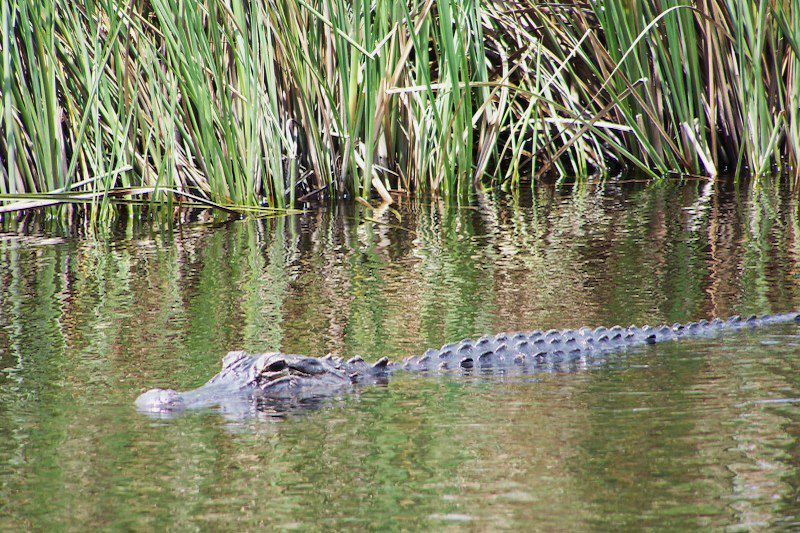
(276, 101)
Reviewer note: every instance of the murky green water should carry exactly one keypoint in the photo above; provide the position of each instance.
(696, 434)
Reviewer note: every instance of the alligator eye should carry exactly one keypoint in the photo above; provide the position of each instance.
(308, 365)
(276, 366)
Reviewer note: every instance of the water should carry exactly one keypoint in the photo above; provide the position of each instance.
(700, 434)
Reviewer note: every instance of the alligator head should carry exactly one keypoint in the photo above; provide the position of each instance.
(246, 379)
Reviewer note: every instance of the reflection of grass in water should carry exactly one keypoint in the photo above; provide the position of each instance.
(767, 253)
(400, 455)
(455, 272)
(92, 325)
(690, 414)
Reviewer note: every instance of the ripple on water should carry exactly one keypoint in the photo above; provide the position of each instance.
(685, 436)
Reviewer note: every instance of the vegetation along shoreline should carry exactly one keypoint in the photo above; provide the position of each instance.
(271, 104)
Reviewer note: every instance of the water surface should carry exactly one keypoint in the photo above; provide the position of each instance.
(693, 434)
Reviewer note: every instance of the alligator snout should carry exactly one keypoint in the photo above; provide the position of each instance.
(160, 400)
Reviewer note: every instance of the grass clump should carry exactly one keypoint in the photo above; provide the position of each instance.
(274, 102)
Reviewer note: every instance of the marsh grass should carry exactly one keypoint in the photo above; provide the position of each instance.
(276, 102)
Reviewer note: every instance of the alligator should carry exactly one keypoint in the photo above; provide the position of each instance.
(249, 382)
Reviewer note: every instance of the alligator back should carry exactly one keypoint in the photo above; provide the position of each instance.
(548, 350)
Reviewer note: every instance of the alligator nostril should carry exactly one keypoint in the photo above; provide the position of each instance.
(276, 366)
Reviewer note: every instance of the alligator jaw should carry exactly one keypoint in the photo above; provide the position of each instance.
(247, 384)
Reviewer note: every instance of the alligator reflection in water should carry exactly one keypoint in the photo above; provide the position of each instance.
(276, 381)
